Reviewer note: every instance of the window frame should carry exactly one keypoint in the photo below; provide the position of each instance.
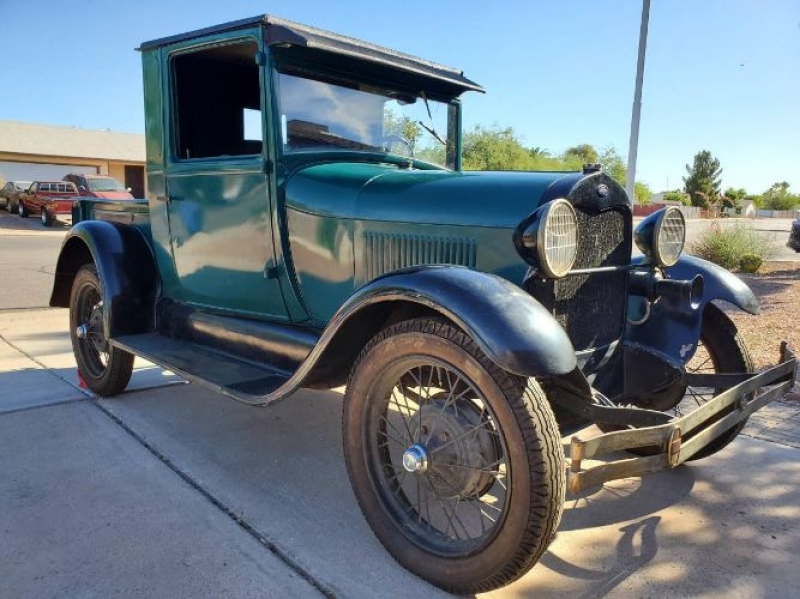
(172, 117)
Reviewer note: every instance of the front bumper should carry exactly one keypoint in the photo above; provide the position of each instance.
(682, 437)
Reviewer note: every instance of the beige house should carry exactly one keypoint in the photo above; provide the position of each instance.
(32, 152)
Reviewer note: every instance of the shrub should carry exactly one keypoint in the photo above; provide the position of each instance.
(750, 263)
(727, 246)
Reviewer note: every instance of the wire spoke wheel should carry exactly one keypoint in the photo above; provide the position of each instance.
(105, 369)
(456, 464)
(719, 350)
(439, 454)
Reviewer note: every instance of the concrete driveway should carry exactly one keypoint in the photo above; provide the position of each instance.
(173, 491)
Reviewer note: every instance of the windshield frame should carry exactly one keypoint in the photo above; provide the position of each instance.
(287, 65)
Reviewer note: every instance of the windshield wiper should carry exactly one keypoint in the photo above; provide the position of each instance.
(431, 129)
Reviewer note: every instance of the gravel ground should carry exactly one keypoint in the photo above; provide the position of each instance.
(778, 289)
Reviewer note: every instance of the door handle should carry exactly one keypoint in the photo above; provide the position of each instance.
(167, 198)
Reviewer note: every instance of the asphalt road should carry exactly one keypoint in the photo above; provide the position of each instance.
(27, 265)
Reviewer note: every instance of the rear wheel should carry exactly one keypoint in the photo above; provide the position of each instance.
(47, 218)
(456, 464)
(105, 369)
(22, 210)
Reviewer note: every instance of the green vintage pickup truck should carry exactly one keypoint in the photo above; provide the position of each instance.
(308, 224)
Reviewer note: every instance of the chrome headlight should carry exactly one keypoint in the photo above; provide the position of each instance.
(661, 236)
(548, 239)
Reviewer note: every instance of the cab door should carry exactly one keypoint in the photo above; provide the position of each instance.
(217, 186)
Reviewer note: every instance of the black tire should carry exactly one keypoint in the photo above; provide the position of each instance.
(47, 218)
(501, 422)
(721, 350)
(22, 210)
(105, 369)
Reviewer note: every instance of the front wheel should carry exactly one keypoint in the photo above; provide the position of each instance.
(457, 465)
(105, 369)
(720, 350)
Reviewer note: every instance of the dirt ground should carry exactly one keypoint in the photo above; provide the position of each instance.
(778, 289)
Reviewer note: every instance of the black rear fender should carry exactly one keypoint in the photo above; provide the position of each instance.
(126, 268)
(513, 329)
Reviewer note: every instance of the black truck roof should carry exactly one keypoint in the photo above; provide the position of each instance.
(282, 32)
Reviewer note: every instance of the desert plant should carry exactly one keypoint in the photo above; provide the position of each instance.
(727, 246)
(750, 263)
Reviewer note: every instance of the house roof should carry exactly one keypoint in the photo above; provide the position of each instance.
(73, 142)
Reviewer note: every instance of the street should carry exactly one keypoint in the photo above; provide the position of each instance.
(171, 490)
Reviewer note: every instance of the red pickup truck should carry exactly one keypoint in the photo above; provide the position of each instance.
(47, 198)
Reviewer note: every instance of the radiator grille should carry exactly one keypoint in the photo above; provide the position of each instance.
(591, 307)
(386, 252)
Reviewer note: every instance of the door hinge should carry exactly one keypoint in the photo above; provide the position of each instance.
(271, 270)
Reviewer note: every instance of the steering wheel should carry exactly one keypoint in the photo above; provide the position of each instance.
(388, 141)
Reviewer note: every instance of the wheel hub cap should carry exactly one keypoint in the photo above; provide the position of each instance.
(415, 458)
(458, 452)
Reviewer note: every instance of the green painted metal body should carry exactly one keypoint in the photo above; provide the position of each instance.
(287, 238)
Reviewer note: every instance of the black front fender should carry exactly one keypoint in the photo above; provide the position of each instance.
(674, 331)
(511, 327)
(126, 268)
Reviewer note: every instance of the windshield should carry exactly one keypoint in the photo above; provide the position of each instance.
(22, 185)
(322, 116)
(104, 184)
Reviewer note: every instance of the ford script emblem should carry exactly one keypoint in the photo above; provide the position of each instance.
(602, 190)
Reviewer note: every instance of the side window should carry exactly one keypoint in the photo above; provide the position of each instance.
(217, 102)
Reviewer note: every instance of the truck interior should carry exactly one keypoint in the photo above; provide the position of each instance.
(216, 94)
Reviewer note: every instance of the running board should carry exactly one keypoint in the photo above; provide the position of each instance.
(682, 437)
(239, 379)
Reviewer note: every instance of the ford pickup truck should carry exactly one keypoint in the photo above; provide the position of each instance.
(48, 199)
(308, 225)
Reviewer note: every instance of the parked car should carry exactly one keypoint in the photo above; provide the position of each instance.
(474, 317)
(48, 199)
(99, 186)
(10, 194)
(794, 235)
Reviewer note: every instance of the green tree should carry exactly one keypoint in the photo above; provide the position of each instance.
(677, 196)
(402, 126)
(495, 148)
(702, 182)
(778, 197)
(583, 152)
(736, 196)
(642, 192)
(614, 164)
(539, 152)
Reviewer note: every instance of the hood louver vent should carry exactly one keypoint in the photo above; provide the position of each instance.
(387, 252)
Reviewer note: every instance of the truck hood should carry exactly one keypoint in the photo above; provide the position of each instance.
(378, 192)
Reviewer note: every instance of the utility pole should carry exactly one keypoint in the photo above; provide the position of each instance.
(637, 101)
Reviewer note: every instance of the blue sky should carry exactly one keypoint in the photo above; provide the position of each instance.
(722, 75)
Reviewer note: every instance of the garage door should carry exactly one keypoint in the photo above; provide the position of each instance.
(33, 171)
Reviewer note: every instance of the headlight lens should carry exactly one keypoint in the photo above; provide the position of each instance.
(670, 236)
(558, 238)
(661, 236)
(548, 238)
